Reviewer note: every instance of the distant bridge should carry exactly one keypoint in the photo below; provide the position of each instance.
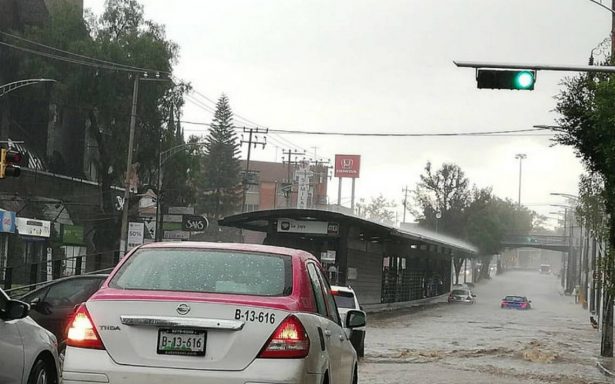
(553, 243)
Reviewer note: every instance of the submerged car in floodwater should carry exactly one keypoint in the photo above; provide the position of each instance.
(516, 302)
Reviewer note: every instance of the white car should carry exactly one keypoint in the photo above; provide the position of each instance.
(212, 313)
(346, 300)
(28, 352)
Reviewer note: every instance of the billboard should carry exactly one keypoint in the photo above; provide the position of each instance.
(347, 165)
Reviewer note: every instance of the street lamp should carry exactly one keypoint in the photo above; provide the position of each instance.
(10, 87)
(566, 195)
(520, 157)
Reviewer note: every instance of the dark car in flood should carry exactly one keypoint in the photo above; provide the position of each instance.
(516, 302)
(54, 303)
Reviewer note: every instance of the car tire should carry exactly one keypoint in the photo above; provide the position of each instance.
(40, 373)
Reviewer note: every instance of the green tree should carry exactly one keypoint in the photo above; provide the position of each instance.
(221, 173)
(586, 109)
(446, 193)
(102, 97)
(490, 219)
(378, 209)
(473, 214)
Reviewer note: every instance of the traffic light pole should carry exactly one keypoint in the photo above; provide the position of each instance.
(535, 67)
(131, 139)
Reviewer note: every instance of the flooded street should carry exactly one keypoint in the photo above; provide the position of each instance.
(481, 343)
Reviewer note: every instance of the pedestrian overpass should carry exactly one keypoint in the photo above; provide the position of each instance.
(553, 243)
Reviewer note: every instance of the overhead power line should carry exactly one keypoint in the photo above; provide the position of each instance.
(115, 64)
(93, 63)
(513, 132)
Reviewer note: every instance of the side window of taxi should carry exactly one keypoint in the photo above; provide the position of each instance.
(321, 306)
(329, 299)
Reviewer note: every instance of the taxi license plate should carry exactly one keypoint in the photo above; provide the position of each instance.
(186, 342)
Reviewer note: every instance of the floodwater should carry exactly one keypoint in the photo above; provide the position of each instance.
(481, 343)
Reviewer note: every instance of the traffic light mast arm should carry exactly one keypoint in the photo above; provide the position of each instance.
(535, 67)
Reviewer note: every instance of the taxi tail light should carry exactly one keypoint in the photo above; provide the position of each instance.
(82, 331)
(288, 341)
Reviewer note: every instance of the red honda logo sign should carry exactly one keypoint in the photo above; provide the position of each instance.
(347, 165)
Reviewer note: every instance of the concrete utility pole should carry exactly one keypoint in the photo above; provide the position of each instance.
(251, 142)
(612, 29)
(290, 153)
(405, 191)
(131, 139)
(521, 157)
(321, 172)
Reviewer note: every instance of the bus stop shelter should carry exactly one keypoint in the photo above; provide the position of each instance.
(382, 263)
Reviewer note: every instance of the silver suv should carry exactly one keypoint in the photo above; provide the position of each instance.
(346, 300)
(28, 352)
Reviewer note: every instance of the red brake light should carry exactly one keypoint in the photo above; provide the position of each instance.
(82, 331)
(289, 340)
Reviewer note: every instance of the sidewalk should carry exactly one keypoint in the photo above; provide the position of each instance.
(405, 305)
(606, 365)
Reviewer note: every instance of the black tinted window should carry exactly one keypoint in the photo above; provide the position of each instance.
(460, 292)
(72, 291)
(203, 270)
(344, 299)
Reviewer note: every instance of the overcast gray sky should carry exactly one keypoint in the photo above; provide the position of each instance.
(386, 66)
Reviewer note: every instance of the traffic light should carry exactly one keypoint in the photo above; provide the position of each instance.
(9, 161)
(506, 79)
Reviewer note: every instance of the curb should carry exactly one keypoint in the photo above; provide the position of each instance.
(606, 371)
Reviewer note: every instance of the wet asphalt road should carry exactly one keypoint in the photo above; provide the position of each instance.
(481, 343)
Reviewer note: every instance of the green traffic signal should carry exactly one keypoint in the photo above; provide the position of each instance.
(522, 80)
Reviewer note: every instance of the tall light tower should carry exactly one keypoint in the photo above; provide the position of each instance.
(521, 157)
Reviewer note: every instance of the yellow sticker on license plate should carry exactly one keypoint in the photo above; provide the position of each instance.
(185, 342)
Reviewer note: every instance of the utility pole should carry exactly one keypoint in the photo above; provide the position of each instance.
(321, 172)
(251, 142)
(521, 157)
(405, 191)
(131, 139)
(606, 341)
(612, 29)
(290, 153)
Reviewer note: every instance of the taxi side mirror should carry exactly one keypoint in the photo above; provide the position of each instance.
(355, 319)
(16, 309)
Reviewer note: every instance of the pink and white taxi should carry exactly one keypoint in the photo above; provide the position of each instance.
(212, 313)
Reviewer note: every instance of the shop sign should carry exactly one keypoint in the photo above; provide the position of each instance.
(72, 234)
(305, 226)
(352, 273)
(328, 256)
(33, 227)
(347, 166)
(176, 235)
(172, 218)
(181, 210)
(136, 232)
(7, 221)
(192, 223)
(298, 226)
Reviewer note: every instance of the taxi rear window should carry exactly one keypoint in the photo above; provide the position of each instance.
(343, 299)
(208, 271)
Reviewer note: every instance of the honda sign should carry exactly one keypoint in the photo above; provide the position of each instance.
(347, 165)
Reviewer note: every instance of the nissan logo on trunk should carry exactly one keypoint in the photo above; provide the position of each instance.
(183, 309)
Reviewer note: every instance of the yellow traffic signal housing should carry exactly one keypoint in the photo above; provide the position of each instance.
(8, 161)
